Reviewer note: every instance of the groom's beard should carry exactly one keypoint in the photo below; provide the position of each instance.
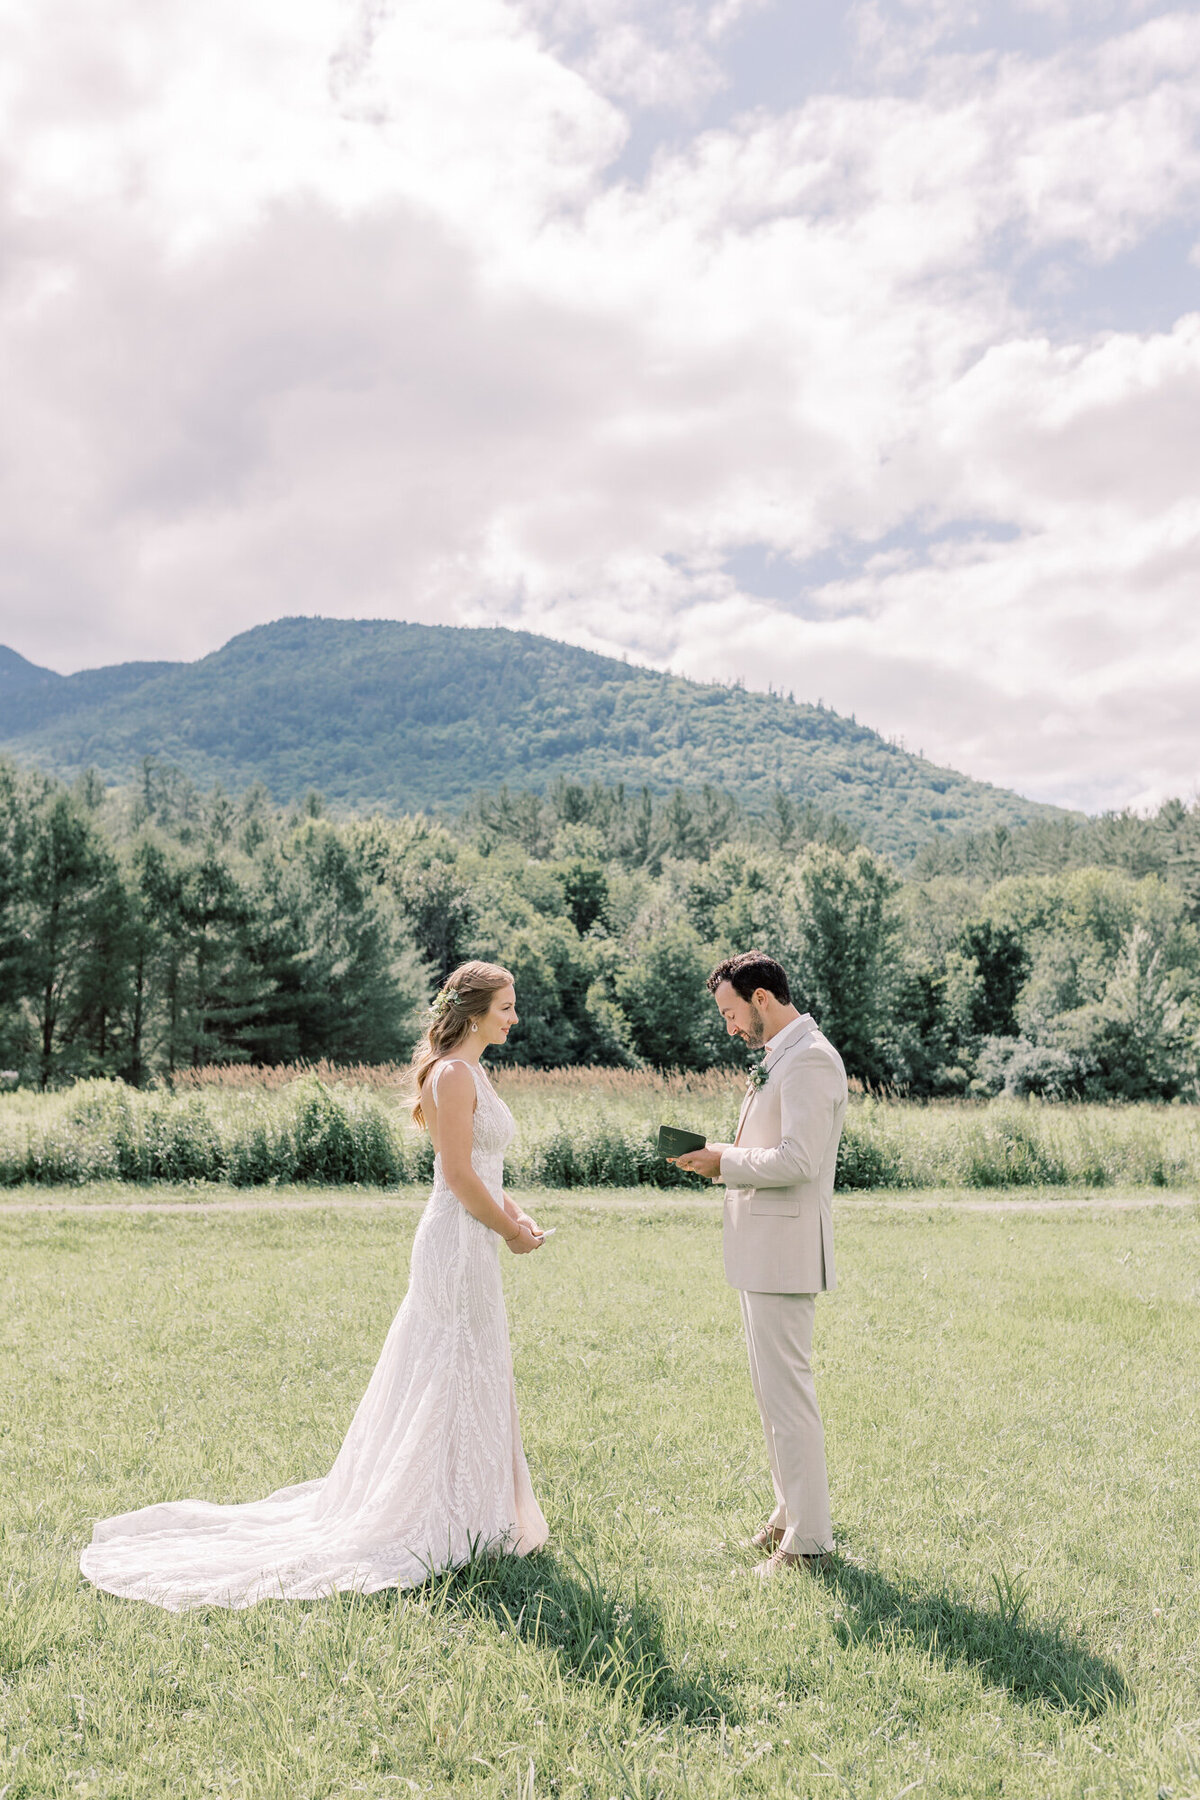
(755, 1033)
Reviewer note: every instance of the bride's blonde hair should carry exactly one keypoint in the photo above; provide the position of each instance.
(466, 996)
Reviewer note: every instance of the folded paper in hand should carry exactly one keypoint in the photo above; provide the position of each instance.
(673, 1142)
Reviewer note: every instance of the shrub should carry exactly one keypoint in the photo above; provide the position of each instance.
(865, 1160)
(1042, 1070)
(341, 1140)
(1006, 1149)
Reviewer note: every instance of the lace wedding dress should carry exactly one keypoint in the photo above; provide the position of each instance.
(431, 1470)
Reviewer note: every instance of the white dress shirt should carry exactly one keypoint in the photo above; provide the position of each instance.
(782, 1037)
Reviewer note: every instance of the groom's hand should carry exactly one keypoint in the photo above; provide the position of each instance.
(702, 1162)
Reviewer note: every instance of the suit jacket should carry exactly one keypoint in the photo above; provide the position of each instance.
(779, 1175)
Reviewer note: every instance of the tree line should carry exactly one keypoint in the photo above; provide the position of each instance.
(149, 929)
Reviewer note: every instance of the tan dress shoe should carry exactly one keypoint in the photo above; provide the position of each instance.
(766, 1539)
(780, 1561)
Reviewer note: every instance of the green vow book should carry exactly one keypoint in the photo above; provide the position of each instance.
(673, 1142)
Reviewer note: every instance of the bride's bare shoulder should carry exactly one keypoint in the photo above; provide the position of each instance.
(449, 1076)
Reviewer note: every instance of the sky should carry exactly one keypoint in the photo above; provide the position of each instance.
(850, 351)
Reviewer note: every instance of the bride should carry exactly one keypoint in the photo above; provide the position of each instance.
(431, 1471)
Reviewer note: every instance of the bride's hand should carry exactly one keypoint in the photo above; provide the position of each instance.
(521, 1218)
(523, 1241)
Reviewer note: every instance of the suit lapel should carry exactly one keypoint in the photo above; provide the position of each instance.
(793, 1043)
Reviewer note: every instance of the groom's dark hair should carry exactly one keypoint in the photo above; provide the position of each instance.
(752, 970)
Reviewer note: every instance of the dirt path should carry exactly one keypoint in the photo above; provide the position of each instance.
(621, 1202)
(1045, 1204)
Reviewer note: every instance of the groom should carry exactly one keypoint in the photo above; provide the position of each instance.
(778, 1176)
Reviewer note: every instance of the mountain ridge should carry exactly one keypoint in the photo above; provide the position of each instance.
(17, 672)
(397, 716)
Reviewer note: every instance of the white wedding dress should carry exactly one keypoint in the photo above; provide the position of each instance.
(431, 1471)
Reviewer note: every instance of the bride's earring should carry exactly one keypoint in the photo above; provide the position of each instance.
(474, 1027)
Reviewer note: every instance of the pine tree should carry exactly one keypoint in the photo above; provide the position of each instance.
(64, 889)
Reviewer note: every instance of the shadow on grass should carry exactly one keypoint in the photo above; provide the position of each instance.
(1034, 1662)
(602, 1633)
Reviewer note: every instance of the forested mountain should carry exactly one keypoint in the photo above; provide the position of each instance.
(380, 715)
(1165, 843)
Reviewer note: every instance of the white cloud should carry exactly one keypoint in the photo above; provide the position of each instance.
(307, 308)
(195, 121)
(665, 57)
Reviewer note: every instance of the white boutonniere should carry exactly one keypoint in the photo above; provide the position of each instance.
(757, 1078)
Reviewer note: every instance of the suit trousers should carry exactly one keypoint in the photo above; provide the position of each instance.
(779, 1330)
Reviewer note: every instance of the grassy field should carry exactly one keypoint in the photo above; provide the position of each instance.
(1011, 1403)
(577, 1128)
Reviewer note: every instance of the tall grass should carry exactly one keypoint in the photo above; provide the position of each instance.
(388, 1077)
(574, 1131)
(394, 1078)
(1012, 1143)
(103, 1131)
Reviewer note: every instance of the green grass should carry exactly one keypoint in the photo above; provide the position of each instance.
(1011, 1404)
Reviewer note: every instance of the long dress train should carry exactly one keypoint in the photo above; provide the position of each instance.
(431, 1470)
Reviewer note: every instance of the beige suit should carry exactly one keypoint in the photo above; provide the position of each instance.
(779, 1254)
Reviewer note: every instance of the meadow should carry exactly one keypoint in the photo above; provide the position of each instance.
(577, 1128)
(1013, 1434)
